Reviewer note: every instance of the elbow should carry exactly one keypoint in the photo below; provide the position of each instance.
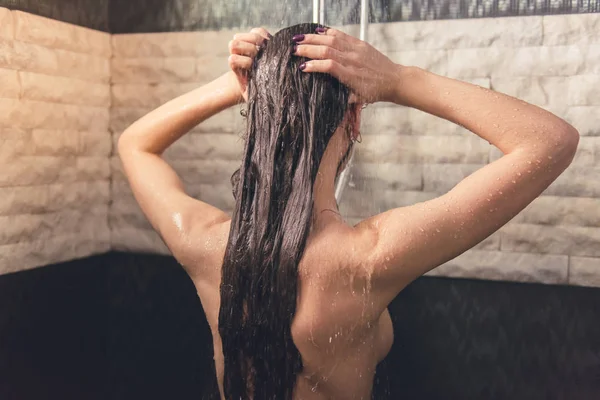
(570, 139)
(125, 144)
(122, 146)
(567, 141)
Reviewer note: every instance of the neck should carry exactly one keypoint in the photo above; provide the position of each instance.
(325, 203)
(324, 193)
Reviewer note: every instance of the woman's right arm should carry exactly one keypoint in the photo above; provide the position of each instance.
(537, 145)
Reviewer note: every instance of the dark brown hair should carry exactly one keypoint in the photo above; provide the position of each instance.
(291, 117)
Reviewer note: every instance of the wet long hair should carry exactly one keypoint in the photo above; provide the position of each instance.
(291, 117)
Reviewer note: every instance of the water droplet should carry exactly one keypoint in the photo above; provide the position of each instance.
(518, 173)
(437, 230)
(422, 230)
(514, 181)
(528, 162)
(549, 157)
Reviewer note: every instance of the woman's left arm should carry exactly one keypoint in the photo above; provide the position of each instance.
(177, 217)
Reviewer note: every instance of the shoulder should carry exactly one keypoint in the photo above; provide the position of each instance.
(200, 248)
(340, 261)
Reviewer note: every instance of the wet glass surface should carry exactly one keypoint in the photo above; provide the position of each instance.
(120, 16)
(89, 13)
(159, 15)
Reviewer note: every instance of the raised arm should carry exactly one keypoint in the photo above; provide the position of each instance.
(158, 189)
(407, 242)
(537, 145)
(182, 221)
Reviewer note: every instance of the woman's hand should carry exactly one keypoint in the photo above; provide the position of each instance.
(243, 48)
(368, 73)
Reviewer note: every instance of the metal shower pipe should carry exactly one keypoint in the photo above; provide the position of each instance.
(319, 11)
(344, 176)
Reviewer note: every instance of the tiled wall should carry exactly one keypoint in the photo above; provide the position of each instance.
(148, 70)
(54, 141)
(406, 156)
(409, 156)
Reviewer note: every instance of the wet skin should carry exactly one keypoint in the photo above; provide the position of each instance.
(349, 275)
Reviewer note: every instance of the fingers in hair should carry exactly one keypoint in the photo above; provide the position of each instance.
(262, 32)
(253, 38)
(239, 63)
(323, 40)
(326, 66)
(316, 52)
(243, 48)
(340, 35)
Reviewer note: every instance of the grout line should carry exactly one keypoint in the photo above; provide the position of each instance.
(13, 21)
(543, 31)
(20, 83)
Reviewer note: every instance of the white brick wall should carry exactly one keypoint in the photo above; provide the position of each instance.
(147, 71)
(54, 141)
(56, 90)
(550, 61)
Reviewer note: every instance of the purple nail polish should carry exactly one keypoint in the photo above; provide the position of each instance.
(298, 38)
(295, 48)
(302, 66)
(320, 30)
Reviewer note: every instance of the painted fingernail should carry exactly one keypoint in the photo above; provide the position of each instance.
(295, 48)
(320, 30)
(298, 38)
(302, 67)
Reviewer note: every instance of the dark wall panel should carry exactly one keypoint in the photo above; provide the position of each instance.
(189, 15)
(89, 13)
(127, 326)
(184, 15)
(134, 16)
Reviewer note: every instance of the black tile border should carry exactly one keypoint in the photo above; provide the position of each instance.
(131, 326)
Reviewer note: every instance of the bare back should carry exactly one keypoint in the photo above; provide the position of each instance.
(348, 276)
(340, 335)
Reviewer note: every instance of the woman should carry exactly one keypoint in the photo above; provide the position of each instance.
(297, 299)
